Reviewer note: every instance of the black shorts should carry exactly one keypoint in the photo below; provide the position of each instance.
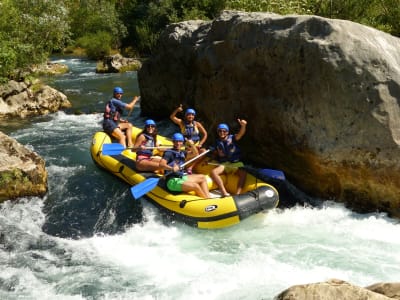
(109, 126)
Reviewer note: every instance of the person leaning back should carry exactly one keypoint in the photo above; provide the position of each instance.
(228, 155)
(113, 124)
(177, 180)
(145, 142)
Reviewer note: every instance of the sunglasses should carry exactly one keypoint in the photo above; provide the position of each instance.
(222, 130)
(150, 126)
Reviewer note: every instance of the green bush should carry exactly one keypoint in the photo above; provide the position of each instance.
(8, 60)
(97, 44)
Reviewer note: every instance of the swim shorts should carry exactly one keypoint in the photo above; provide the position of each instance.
(232, 167)
(109, 126)
(175, 184)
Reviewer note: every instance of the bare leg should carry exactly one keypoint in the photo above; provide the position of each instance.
(128, 127)
(120, 136)
(197, 183)
(150, 165)
(189, 186)
(242, 178)
(215, 175)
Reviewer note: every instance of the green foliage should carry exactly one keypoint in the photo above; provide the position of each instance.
(92, 16)
(145, 19)
(8, 58)
(97, 44)
(30, 31)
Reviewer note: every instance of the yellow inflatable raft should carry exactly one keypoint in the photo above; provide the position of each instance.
(210, 213)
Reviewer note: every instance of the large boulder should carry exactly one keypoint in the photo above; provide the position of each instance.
(321, 97)
(26, 98)
(22, 172)
(117, 64)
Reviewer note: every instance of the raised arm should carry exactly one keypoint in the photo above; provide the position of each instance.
(242, 130)
(173, 117)
(130, 105)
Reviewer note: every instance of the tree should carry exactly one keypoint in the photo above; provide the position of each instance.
(30, 31)
(91, 18)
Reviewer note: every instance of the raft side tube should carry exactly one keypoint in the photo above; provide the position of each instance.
(262, 198)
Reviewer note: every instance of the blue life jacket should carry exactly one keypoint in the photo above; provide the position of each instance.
(231, 152)
(190, 131)
(174, 157)
(149, 142)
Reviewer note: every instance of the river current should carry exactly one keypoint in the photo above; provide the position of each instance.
(88, 239)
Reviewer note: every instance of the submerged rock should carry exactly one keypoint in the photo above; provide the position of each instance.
(320, 96)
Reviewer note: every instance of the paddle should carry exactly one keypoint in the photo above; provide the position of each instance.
(117, 148)
(149, 184)
(276, 174)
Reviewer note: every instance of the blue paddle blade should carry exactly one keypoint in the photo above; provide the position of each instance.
(272, 173)
(144, 187)
(112, 149)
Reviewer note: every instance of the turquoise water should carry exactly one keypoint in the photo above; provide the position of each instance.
(87, 239)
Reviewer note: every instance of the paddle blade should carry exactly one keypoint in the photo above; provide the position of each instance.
(144, 187)
(112, 149)
(266, 173)
(272, 174)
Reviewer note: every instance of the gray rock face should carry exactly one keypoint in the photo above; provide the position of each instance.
(321, 97)
(22, 172)
(24, 99)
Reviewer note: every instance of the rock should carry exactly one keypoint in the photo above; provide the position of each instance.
(24, 99)
(22, 172)
(117, 64)
(48, 69)
(389, 289)
(320, 96)
(330, 290)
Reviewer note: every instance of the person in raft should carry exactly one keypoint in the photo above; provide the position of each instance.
(228, 155)
(146, 141)
(113, 124)
(193, 131)
(177, 179)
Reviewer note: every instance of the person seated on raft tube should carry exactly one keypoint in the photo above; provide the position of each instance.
(177, 180)
(193, 131)
(228, 155)
(145, 161)
(113, 124)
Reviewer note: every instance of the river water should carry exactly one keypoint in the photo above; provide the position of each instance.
(87, 238)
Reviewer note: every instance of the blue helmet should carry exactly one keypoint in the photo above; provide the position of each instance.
(223, 126)
(149, 122)
(118, 90)
(178, 137)
(190, 111)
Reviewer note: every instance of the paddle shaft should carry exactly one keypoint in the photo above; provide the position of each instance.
(267, 172)
(149, 184)
(194, 158)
